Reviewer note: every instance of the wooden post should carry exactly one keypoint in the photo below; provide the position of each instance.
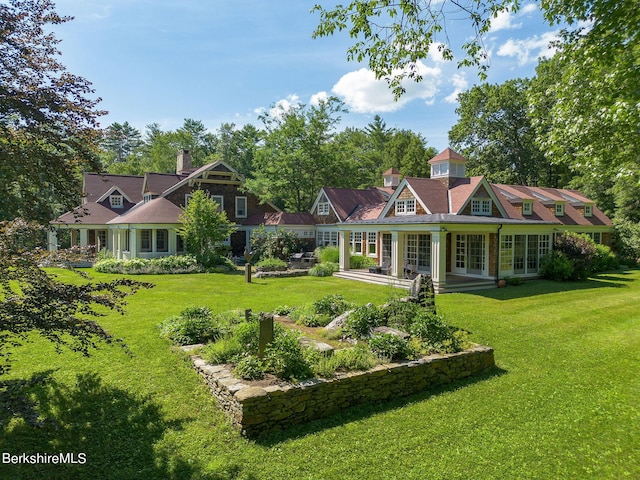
(266, 332)
(247, 267)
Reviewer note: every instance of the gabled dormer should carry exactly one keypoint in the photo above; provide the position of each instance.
(448, 166)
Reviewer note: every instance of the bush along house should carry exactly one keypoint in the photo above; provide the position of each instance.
(463, 231)
(138, 216)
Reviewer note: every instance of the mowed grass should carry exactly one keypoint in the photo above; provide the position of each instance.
(563, 403)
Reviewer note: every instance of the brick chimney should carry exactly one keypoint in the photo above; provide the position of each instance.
(183, 163)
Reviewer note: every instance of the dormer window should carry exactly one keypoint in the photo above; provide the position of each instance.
(559, 209)
(481, 206)
(588, 210)
(116, 201)
(406, 206)
(323, 208)
(527, 208)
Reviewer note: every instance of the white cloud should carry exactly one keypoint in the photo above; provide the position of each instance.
(460, 84)
(316, 98)
(362, 93)
(504, 21)
(529, 49)
(282, 106)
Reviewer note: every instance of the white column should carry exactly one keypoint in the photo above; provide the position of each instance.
(52, 237)
(173, 241)
(396, 255)
(344, 245)
(84, 237)
(133, 243)
(439, 258)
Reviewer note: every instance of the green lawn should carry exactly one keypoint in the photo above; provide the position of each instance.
(564, 403)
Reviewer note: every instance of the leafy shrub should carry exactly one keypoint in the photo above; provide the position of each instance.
(513, 281)
(580, 250)
(360, 357)
(285, 358)
(170, 264)
(358, 262)
(324, 269)
(224, 350)
(435, 334)
(389, 346)
(328, 254)
(556, 266)
(281, 244)
(401, 314)
(248, 335)
(362, 320)
(193, 325)
(626, 239)
(604, 259)
(306, 315)
(332, 305)
(249, 367)
(270, 264)
(282, 310)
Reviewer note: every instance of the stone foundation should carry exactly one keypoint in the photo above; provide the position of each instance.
(257, 410)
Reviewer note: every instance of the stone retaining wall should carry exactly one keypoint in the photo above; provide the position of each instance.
(257, 410)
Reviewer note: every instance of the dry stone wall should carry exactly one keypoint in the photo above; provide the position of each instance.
(258, 410)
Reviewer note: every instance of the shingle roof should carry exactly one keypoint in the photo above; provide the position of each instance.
(97, 184)
(158, 210)
(156, 183)
(346, 200)
(432, 193)
(90, 213)
(447, 154)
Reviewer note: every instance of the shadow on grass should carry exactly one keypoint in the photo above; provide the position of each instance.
(543, 287)
(363, 411)
(111, 433)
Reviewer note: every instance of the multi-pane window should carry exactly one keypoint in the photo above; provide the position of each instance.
(115, 201)
(521, 254)
(527, 208)
(323, 208)
(406, 206)
(461, 251)
(588, 210)
(356, 243)
(372, 243)
(506, 252)
(162, 240)
(327, 239)
(145, 240)
(102, 239)
(559, 209)
(241, 207)
(481, 206)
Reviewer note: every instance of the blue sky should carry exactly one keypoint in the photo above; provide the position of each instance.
(228, 60)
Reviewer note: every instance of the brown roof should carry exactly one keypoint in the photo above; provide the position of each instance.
(392, 171)
(280, 218)
(367, 212)
(90, 213)
(156, 183)
(158, 210)
(447, 154)
(432, 193)
(460, 192)
(346, 200)
(95, 185)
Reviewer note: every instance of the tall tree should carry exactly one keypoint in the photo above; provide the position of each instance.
(238, 147)
(297, 158)
(494, 131)
(120, 141)
(48, 123)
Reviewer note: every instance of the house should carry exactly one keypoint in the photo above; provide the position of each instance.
(452, 226)
(138, 216)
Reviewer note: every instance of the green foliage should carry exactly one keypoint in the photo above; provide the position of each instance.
(193, 325)
(332, 305)
(580, 250)
(604, 260)
(204, 228)
(358, 262)
(328, 254)
(360, 357)
(555, 265)
(248, 335)
(307, 315)
(626, 240)
(285, 357)
(435, 334)
(361, 320)
(249, 367)
(270, 264)
(324, 269)
(400, 314)
(280, 244)
(224, 350)
(389, 347)
(164, 265)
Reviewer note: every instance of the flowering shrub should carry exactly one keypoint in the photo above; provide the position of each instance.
(171, 264)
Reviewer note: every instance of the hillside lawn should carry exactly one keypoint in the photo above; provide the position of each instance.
(564, 403)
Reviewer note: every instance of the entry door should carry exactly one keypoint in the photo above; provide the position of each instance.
(476, 257)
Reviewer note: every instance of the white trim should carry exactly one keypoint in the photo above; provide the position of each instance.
(110, 191)
(246, 207)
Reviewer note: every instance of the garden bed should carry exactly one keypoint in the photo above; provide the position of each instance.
(255, 410)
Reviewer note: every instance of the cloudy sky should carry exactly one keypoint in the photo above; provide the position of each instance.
(228, 60)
